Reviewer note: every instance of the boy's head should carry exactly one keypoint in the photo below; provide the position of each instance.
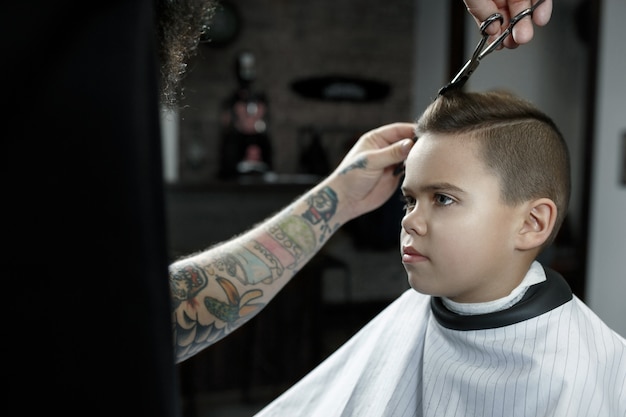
(487, 187)
(518, 142)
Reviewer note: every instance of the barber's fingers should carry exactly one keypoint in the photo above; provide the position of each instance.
(380, 138)
(543, 13)
(391, 133)
(392, 155)
(389, 144)
(482, 9)
(523, 32)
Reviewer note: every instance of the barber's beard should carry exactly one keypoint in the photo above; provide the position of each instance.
(180, 25)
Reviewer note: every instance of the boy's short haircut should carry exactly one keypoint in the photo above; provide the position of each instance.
(519, 143)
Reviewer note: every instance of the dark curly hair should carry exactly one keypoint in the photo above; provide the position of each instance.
(180, 24)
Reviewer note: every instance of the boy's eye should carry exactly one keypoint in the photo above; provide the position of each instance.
(443, 200)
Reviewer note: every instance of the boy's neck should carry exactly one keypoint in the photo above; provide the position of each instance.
(534, 275)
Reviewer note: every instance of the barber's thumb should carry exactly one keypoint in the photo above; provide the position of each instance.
(392, 154)
(401, 150)
(405, 147)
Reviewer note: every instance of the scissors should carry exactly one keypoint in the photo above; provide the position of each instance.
(479, 53)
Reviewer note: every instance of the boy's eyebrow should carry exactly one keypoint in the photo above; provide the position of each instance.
(437, 187)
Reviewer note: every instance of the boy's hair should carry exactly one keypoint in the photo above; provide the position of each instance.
(518, 142)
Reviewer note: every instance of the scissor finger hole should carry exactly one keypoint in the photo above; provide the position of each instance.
(490, 20)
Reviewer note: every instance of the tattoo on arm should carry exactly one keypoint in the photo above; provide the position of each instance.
(186, 282)
(190, 335)
(200, 320)
(360, 163)
(322, 208)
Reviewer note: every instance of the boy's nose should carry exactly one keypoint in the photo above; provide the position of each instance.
(413, 222)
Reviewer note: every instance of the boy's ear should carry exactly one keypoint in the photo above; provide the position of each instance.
(537, 225)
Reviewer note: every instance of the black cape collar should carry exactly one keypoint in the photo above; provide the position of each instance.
(539, 298)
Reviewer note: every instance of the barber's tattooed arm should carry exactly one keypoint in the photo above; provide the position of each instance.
(216, 291)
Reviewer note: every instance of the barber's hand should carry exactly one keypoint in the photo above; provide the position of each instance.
(365, 178)
(523, 31)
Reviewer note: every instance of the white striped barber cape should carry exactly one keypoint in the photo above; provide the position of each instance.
(405, 363)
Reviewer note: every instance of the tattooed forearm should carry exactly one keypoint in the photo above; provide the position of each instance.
(218, 290)
(227, 309)
(191, 336)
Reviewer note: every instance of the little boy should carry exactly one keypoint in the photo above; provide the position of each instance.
(485, 330)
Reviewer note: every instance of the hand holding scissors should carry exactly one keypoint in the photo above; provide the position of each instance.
(523, 33)
(481, 50)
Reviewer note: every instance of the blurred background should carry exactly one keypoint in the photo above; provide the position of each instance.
(280, 90)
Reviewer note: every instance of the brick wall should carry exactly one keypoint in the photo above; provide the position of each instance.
(292, 40)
